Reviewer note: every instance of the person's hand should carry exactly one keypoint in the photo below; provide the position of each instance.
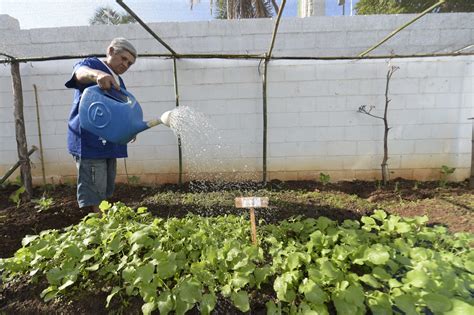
(105, 81)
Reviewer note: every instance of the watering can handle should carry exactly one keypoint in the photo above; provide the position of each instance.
(122, 96)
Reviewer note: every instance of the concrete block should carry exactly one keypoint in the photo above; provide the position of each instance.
(282, 149)
(253, 150)
(402, 147)
(331, 71)
(328, 103)
(345, 118)
(277, 135)
(405, 117)
(366, 38)
(342, 148)
(8, 22)
(424, 37)
(314, 149)
(249, 121)
(301, 73)
(346, 87)
(405, 86)
(301, 134)
(435, 85)
(456, 38)
(372, 87)
(369, 147)
(313, 88)
(329, 133)
(419, 101)
(313, 119)
(276, 120)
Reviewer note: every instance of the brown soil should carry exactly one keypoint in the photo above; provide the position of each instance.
(451, 206)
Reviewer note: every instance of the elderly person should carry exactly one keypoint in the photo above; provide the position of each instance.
(96, 159)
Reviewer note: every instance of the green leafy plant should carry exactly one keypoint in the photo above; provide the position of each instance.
(324, 178)
(445, 172)
(133, 180)
(43, 203)
(15, 197)
(380, 263)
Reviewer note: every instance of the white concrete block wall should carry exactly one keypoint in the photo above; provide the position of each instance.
(313, 123)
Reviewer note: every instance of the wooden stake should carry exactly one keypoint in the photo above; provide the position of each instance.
(253, 226)
(252, 203)
(22, 148)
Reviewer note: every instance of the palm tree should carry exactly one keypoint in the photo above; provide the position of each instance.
(107, 15)
(242, 9)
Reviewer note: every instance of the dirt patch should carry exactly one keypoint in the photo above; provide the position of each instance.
(451, 206)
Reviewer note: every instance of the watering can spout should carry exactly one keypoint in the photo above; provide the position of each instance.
(164, 119)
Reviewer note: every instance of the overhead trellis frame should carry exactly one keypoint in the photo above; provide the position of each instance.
(175, 75)
(266, 57)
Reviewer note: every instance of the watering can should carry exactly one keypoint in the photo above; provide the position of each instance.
(114, 115)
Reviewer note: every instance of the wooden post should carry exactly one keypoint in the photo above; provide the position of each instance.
(252, 203)
(22, 146)
(471, 179)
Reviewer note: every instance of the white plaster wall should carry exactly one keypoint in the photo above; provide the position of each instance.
(313, 124)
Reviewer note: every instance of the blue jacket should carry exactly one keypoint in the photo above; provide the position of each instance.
(83, 143)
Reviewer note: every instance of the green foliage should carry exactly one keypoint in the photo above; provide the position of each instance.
(43, 203)
(133, 180)
(380, 263)
(15, 197)
(445, 172)
(365, 7)
(107, 15)
(324, 178)
(243, 9)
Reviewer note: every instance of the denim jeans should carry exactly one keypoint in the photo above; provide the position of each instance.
(95, 180)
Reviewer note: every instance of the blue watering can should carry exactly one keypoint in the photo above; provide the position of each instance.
(114, 115)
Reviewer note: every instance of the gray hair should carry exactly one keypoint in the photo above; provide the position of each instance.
(120, 44)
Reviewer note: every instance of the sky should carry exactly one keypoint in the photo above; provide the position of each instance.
(57, 13)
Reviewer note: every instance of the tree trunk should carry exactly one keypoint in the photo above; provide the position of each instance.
(22, 146)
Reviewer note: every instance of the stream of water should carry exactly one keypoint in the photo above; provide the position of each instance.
(202, 147)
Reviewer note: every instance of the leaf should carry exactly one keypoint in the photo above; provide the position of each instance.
(165, 302)
(272, 308)
(293, 261)
(417, 278)
(166, 269)
(28, 239)
(460, 308)
(94, 267)
(379, 303)
(312, 292)
(241, 300)
(406, 303)
(402, 227)
(182, 307)
(147, 308)
(66, 284)
(145, 273)
(377, 254)
(379, 215)
(323, 222)
(190, 291)
(104, 205)
(344, 307)
(261, 274)
(141, 238)
(114, 291)
(141, 210)
(239, 280)
(370, 280)
(437, 303)
(208, 303)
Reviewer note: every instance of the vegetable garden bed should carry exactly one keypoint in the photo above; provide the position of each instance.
(349, 247)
